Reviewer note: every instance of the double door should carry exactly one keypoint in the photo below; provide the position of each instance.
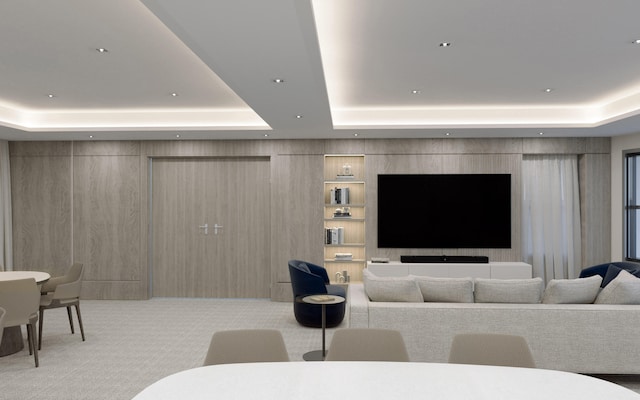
(210, 227)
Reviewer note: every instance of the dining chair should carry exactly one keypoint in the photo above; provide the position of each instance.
(367, 344)
(2, 315)
(491, 349)
(20, 298)
(62, 291)
(245, 346)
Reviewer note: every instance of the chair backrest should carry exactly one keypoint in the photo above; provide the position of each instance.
(20, 299)
(307, 278)
(491, 349)
(2, 315)
(367, 344)
(73, 273)
(71, 284)
(246, 345)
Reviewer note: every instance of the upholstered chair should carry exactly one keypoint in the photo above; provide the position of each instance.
(63, 291)
(245, 346)
(20, 299)
(491, 349)
(367, 344)
(309, 279)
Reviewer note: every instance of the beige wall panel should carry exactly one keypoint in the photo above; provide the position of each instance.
(598, 145)
(404, 146)
(40, 148)
(554, 146)
(482, 146)
(300, 147)
(297, 212)
(207, 148)
(106, 148)
(111, 290)
(346, 146)
(106, 217)
(41, 204)
(595, 206)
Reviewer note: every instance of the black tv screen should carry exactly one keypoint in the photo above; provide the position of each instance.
(444, 211)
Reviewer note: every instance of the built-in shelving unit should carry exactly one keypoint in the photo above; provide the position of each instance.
(344, 215)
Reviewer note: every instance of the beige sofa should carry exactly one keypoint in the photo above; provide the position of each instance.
(585, 338)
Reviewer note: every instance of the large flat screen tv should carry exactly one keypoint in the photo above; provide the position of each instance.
(444, 211)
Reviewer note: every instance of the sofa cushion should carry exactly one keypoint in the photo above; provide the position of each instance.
(572, 291)
(401, 289)
(613, 271)
(624, 289)
(445, 290)
(517, 291)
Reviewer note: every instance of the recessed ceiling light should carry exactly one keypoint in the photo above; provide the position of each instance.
(177, 136)
(416, 91)
(445, 44)
(102, 50)
(51, 95)
(299, 116)
(540, 133)
(278, 80)
(90, 136)
(637, 41)
(174, 94)
(447, 134)
(355, 134)
(266, 135)
(548, 90)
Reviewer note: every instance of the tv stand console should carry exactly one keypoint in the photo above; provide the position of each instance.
(492, 270)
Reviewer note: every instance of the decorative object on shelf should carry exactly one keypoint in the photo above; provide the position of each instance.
(343, 277)
(344, 256)
(346, 172)
(344, 212)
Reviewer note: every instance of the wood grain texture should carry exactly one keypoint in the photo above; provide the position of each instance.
(41, 201)
(595, 200)
(106, 216)
(231, 192)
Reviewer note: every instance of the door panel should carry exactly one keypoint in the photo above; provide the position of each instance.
(190, 260)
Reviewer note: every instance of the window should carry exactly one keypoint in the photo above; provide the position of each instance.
(632, 206)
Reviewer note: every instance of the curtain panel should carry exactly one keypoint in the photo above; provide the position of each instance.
(551, 216)
(6, 237)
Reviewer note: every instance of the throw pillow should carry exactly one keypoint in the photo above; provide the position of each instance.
(401, 289)
(624, 289)
(572, 291)
(445, 290)
(519, 291)
(614, 270)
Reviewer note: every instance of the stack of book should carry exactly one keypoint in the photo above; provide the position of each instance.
(344, 256)
(340, 195)
(334, 235)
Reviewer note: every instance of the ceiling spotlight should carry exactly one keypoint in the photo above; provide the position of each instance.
(90, 136)
(174, 94)
(548, 90)
(278, 80)
(177, 136)
(637, 41)
(355, 134)
(447, 134)
(266, 135)
(416, 91)
(51, 95)
(102, 50)
(445, 44)
(299, 116)
(540, 133)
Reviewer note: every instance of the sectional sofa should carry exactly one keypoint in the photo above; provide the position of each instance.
(583, 338)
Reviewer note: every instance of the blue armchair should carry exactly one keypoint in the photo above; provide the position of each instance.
(308, 279)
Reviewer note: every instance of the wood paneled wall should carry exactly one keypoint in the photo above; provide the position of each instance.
(88, 201)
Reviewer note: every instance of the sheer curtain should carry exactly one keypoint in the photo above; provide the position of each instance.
(551, 216)
(6, 247)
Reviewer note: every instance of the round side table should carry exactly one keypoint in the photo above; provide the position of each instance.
(323, 300)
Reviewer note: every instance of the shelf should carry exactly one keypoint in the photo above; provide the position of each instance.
(346, 245)
(333, 261)
(344, 219)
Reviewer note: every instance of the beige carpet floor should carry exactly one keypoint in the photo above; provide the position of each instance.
(131, 344)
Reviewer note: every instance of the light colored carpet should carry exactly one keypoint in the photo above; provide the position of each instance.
(131, 344)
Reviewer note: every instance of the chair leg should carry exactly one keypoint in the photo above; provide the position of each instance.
(32, 336)
(29, 339)
(70, 319)
(41, 321)
(79, 320)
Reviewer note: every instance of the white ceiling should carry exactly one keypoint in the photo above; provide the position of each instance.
(349, 67)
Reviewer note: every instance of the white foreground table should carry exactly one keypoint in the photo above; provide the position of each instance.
(379, 380)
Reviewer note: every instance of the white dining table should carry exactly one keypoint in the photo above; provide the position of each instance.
(12, 340)
(379, 380)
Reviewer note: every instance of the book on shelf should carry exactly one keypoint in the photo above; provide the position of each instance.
(334, 235)
(344, 257)
(343, 177)
(339, 195)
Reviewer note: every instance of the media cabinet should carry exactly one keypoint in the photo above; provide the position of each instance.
(490, 270)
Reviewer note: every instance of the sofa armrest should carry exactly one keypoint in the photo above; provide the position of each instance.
(358, 304)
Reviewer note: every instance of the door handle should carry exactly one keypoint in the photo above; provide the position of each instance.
(216, 227)
(206, 228)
